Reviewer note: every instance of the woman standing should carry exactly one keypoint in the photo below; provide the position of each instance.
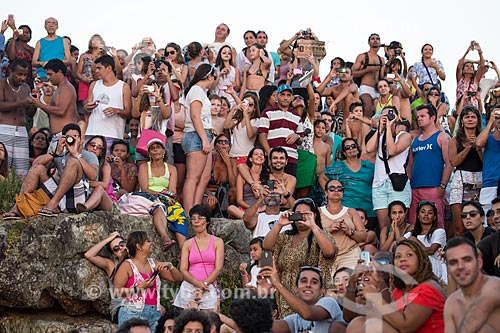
(255, 76)
(344, 224)
(18, 48)
(433, 96)
(468, 78)
(307, 244)
(139, 281)
(227, 75)
(467, 159)
(202, 259)
(86, 67)
(428, 69)
(243, 122)
(175, 58)
(356, 175)
(198, 134)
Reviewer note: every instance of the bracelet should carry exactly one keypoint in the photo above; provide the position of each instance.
(288, 195)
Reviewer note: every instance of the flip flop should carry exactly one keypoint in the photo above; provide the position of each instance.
(11, 216)
(168, 244)
(80, 208)
(47, 212)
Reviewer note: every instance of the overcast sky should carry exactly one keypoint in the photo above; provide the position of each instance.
(448, 25)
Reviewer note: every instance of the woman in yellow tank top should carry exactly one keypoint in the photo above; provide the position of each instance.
(159, 179)
(385, 98)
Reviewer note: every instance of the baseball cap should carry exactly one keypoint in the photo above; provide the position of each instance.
(284, 87)
(156, 140)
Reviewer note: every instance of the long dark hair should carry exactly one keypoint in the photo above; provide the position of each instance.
(202, 72)
(238, 116)
(264, 173)
(219, 63)
(265, 94)
(4, 165)
(134, 238)
(102, 158)
(179, 58)
(417, 230)
(461, 131)
(32, 152)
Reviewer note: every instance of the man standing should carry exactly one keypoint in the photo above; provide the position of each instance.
(314, 313)
(62, 107)
(50, 47)
(108, 103)
(475, 307)
(429, 167)
(369, 67)
(14, 107)
(280, 126)
(489, 140)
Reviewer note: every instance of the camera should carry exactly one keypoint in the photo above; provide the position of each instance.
(296, 217)
(397, 51)
(70, 140)
(106, 48)
(391, 76)
(471, 93)
(391, 115)
(150, 89)
(341, 70)
(306, 32)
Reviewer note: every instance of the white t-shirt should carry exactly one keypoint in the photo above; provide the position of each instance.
(241, 144)
(265, 223)
(196, 93)
(99, 124)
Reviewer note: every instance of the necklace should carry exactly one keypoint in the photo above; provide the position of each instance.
(12, 88)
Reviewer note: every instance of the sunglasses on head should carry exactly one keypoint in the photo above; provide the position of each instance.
(307, 201)
(472, 213)
(351, 146)
(426, 202)
(120, 245)
(333, 188)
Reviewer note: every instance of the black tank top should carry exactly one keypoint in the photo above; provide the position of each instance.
(472, 161)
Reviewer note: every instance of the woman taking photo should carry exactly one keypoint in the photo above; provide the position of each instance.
(416, 303)
(198, 134)
(202, 259)
(307, 244)
(138, 281)
(344, 224)
(468, 78)
(159, 179)
(399, 226)
(259, 171)
(243, 122)
(428, 69)
(123, 172)
(467, 159)
(18, 48)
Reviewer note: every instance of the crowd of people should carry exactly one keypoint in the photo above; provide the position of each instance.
(335, 178)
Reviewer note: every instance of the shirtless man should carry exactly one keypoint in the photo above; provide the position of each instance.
(475, 307)
(345, 93)
(14, 107)
(370, 72)
(62, 107)
(322, 150)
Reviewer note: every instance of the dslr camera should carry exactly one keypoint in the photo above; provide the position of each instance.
(391, 115)
(70, 140)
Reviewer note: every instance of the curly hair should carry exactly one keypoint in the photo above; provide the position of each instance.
(424, 271)
(252, 315)
(192, 316)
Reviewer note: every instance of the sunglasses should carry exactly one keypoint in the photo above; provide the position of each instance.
(120, 245)
(96, 145)
(223, 142)
(434, 94)
(334, 188)
(310, 268)
(472, 213)
(170, 52)
(351, 146)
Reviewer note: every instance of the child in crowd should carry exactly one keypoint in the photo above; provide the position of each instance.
(249, 271)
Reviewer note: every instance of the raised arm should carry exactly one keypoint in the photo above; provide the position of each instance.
(101, 262)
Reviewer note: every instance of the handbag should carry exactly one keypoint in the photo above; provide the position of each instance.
(146, 136)
(470, 192)
(29, 204)
(398, 180)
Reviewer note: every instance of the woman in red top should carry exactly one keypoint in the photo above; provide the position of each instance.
(417, 300)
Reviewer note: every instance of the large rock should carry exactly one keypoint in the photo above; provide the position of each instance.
(42, 264)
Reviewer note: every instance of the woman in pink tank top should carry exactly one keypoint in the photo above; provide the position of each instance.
(202, 259)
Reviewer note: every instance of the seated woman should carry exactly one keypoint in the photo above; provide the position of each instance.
(159, 180)
(399, 226)
(123, 173)
(4, 161)
(259, 171)
(115, 245)
(416, 303)
(38, 143)
(221, 187)
(102, 196)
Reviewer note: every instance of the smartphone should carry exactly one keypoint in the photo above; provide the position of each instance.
(266, 259)
(365, 255)
(296, 217)
(106, 48)
(473, 45)
(297, 71)
(10, 17)
(270, 184)
(391, 76)
(154, 274)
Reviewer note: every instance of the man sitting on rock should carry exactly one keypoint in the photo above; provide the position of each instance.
(65, 187)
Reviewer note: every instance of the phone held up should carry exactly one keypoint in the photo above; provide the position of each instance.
(365, 256)
(266, 259)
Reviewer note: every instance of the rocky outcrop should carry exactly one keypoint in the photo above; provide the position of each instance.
(42, 266)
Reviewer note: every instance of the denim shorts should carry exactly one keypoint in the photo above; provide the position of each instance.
(383, 195)
(191, 141)
(149, 313)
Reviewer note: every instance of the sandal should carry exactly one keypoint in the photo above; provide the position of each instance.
(168, 244)
(47, 212)
(11, 216)
(80, 208)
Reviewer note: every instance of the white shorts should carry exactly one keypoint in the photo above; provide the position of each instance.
(185, 298)
(367, 90)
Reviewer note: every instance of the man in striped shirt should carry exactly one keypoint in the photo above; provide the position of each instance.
(280, 125)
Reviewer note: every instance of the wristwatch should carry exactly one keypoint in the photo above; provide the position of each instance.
(288, 195)
(443, 186)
